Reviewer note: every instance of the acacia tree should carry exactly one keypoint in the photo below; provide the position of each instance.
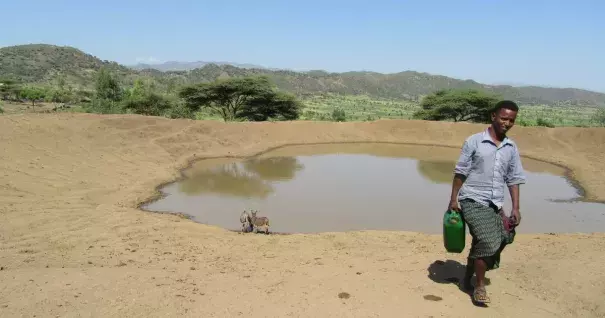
(32, 94)
(457, 105)
(252, 98)
(278, 105)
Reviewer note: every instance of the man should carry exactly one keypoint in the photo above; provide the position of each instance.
(488, 162)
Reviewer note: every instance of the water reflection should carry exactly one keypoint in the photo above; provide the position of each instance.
(249, 179)
(274, 169)
(437, 171)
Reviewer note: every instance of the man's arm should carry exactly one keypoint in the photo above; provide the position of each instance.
(461, 170)
(514, 195)
(456, 185)
(514, 178)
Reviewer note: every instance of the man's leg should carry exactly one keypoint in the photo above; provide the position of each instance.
(485, 227)
(480, 269)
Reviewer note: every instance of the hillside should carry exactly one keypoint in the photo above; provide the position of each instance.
(40, 63)
(403, 85)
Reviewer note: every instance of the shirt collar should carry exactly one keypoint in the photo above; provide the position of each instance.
(487, 137)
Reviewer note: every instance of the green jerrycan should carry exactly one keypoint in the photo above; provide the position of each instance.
(454, 231)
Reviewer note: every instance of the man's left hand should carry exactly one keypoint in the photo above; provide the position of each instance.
(517, 215)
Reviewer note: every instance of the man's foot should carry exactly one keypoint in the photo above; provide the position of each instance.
(480, 295)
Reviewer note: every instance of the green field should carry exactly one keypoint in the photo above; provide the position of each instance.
(363, 108)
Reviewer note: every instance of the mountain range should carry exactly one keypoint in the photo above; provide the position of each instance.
(42, 63)
(187, 66)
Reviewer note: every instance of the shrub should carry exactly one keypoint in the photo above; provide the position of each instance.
(339, 115)
(544, 123)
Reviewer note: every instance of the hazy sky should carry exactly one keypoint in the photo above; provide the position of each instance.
(551, 43)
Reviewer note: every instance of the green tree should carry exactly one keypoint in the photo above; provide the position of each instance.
(138, 89)
(251, 98)
(107, 86)
(277, 105)
(457, 105)
(61, 92)
(33, 94)
(59, 96)
(108, 94)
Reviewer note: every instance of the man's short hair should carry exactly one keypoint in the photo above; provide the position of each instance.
(506, 104)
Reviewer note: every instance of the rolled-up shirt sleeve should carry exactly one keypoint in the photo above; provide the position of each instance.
(515, 173)
(463, 166)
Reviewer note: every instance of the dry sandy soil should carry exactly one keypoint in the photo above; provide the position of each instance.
(74, 244)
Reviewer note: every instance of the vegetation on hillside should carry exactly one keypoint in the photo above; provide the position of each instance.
(249, 98)
(42, 64)
(75, 81)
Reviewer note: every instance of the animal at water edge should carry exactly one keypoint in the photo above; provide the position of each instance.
(246, 221)
(257, 222)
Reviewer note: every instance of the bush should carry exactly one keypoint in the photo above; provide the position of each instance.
(104, 106)
(150, 104)
(523, 122)
(339, 115)
(180, 110)
(544, 123)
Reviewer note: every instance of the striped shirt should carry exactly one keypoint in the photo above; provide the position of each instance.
(488, 168)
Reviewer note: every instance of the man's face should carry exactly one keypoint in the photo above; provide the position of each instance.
(504, 120)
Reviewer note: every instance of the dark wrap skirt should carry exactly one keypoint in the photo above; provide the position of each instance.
(486, 226)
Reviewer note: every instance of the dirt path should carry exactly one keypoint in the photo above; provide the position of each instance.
(72, 242)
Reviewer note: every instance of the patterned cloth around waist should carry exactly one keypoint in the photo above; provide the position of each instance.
(488, 232)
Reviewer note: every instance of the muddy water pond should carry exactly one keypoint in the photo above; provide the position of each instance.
(345, 187)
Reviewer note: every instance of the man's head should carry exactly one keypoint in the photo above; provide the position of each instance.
(504, 116)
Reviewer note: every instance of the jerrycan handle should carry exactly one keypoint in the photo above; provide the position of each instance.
(454, 217)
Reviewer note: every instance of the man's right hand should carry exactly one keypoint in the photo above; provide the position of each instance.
(454, 206)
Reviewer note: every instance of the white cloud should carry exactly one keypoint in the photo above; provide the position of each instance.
(148, 60)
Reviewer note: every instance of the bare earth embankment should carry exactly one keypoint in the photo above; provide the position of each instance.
(74, 244)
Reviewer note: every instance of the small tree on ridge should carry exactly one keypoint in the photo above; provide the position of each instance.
(251, 98)
(457, 105)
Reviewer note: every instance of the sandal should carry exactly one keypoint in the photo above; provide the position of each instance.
(480, 295)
